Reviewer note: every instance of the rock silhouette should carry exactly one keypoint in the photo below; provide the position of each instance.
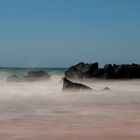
(83, 71)
(69, 85)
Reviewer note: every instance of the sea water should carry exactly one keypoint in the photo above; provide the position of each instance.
(41, 111)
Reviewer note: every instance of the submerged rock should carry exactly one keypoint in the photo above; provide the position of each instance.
(69, 85)
(31, 76)
(106, 89)
(36, 75)
(108, 71)
(13, 78)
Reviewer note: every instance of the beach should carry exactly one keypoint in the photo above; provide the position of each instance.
(40, 110)
(69, 69)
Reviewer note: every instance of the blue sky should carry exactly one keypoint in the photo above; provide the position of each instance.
(59, 33)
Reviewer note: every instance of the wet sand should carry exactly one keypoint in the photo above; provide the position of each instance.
(40, 111)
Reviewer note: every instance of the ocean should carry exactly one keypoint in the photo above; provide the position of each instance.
(41, 111)
(23, 71)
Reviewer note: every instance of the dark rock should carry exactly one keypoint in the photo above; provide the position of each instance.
(126, 71)
(13, 78)
(92, 70)
(100, 73)
(108, 71)
(36, 75)
(122, 71)
(74, 73)
(31, 76)
(69, 85)
(134, 71)
(106, 88)
(82, 71)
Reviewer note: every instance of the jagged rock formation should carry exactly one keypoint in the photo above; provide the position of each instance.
(83, 71)
(72, 86)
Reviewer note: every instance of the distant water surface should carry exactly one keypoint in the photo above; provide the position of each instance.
(25, 70)
(54, 72)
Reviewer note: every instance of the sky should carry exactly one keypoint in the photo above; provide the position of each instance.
(60, 33)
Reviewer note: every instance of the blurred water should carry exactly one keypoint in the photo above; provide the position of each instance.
(40, 110)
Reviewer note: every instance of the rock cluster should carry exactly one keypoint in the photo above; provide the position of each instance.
(31, 76)
(83, 71)
(37, 75)
(14, 78)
